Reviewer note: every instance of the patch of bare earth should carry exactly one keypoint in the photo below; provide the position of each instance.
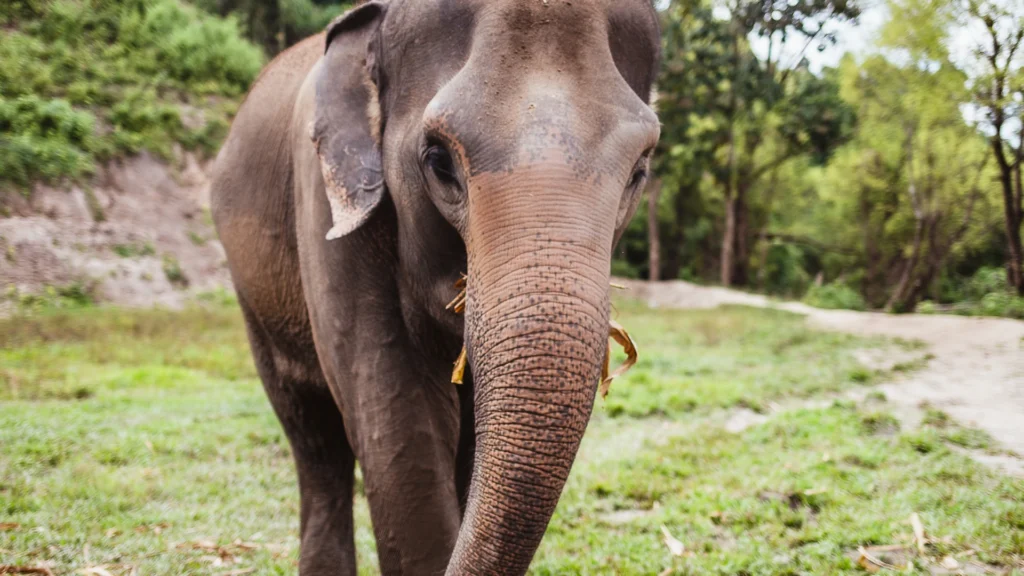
(139, 234)
(970, 368)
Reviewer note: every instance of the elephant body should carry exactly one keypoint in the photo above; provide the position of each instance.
(372, 165)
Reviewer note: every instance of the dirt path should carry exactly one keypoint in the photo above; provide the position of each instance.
(976, 375)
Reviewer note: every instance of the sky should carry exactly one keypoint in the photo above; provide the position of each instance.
(859, 39)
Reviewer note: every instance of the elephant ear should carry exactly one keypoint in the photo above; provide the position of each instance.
(346, 123)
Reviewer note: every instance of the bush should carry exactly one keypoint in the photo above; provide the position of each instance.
(1001, 304)
(44, 139)
(835, 295)
(984, 282)
(986, 293)
(84, 80)
(74, 295)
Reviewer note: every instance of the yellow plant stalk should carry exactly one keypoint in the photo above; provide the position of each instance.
(615, 332)
(619, 334)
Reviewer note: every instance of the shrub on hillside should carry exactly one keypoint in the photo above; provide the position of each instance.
(44, 139)
(835, 295)
(84, 80)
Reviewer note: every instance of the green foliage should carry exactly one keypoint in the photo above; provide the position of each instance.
(986, 293)
(868, 172)
(70, 296)
(138, 250)
(835, 295)
(44, 140)
(85, 80)
(276, 25)
(172, 270)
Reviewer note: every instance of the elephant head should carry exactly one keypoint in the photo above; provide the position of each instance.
(513, 138)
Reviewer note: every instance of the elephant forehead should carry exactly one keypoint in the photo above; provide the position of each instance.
(593, 137)
(427, 42)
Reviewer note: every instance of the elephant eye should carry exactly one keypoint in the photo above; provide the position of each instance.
(640, 170)
(439, 160)
(638, 176)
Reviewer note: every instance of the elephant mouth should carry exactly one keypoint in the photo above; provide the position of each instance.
(616, 332)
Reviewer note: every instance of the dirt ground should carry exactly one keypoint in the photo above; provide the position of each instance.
(138, 234)
(974, 372)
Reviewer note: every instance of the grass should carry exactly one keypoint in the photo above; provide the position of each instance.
(144, 437)
(708, 359)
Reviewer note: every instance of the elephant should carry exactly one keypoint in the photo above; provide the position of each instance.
(368, 169)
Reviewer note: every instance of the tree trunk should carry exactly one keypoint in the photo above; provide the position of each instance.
(728, 240)
(904, 285)
(653, 239)
(1015, 254)
(741, 250)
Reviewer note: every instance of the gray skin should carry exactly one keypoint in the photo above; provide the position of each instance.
(368, 168)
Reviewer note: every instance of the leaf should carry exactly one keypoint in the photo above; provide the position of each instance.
(675, 547)
(871, 563)
(619, 334)
(460, 367)
(5, 526)
(919, 537)
(95, 571)
(7, 569)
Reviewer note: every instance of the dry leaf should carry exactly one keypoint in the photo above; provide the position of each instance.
(5, 526)
(95, 571)
(870, 563)
(950, 563)
(619, 334)
(7, 569)
(459, 303)
(919, 537)
(459, 371)
(674, 546)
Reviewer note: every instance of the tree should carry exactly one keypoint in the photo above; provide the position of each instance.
(758, 86)
(999, 92)
(731, 118)
(923, 28)
(914, 179)
(277, 24)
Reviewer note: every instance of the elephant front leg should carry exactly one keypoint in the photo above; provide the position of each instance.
(404, 429)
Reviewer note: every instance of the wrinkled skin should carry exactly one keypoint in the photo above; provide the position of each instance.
(367, 169)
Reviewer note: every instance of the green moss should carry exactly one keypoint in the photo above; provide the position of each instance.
(134, 250)
(172, 270)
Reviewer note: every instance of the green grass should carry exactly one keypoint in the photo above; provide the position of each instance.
(707, 359)
(145, 437)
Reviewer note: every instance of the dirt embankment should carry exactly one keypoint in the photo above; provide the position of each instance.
(975, 371)
(138, 235)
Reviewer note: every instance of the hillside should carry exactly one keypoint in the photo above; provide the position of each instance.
(110, 112)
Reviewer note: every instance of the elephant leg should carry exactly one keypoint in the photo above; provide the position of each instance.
(405, 433)
(323, 459)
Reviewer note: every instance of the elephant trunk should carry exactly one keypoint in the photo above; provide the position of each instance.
(536, 332)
